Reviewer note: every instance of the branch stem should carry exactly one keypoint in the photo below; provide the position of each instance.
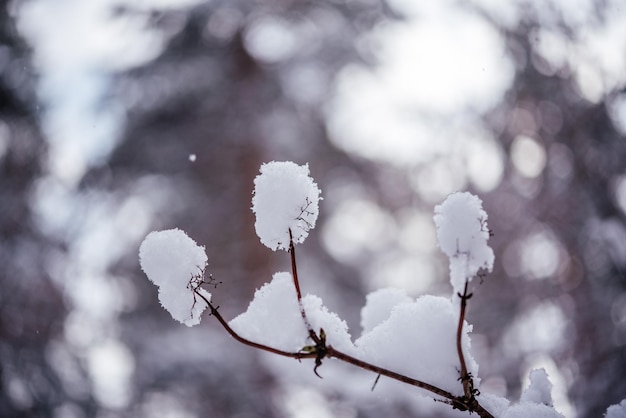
(466, 379)
(329, 351)
(294, 272)
(215, 312)
(332, 352)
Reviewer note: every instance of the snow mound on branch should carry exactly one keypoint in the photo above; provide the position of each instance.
(335, 328)
(419, 340)
(285, 198)
(175, 264)
(495, 404)
(462, 234)
(273, 318)
(378, 306)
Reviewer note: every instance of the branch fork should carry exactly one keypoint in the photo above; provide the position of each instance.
(320, 350)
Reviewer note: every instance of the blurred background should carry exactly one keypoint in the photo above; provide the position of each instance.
(120, 117)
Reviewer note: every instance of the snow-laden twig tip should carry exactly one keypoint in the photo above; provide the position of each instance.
(285, 198)
(462, 234)
(175, 264)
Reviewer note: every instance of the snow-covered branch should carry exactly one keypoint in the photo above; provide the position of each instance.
(427, 337)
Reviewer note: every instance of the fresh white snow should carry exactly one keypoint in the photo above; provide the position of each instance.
(419, 340)
(273, 318)
(378, 306)
(462, 234)
(175, 264)
(285, 198)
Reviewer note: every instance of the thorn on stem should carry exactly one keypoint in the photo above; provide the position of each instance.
(375, 382)
(466, 296)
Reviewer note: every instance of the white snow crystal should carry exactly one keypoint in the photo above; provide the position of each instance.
(335, 328)
(273, 318)
(462, 234)
(419, 340)
(285, 198)
(495, 404)
(378, 306)
(540, 389)
(616, 411)
(174, 263)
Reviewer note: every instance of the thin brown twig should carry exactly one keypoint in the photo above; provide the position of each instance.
(332, 352)
(466, 378)
(329, 352)
(294, 272)
(321, 350)
(245, 341)
(458, 402)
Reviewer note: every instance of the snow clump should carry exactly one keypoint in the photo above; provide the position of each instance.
(175, 264)
(273, 318)
(285, 198)
(462, 234)
(378, 306)
(419, 339)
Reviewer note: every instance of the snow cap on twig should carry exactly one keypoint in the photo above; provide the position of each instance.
(175, 264)
(462, 234)
(285, 198)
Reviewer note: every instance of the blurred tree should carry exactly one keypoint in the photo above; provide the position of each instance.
(571, 208)
(32, 308)
(239, 84)
(242, 82)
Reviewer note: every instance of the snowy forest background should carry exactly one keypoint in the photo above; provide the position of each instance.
(119, 117)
